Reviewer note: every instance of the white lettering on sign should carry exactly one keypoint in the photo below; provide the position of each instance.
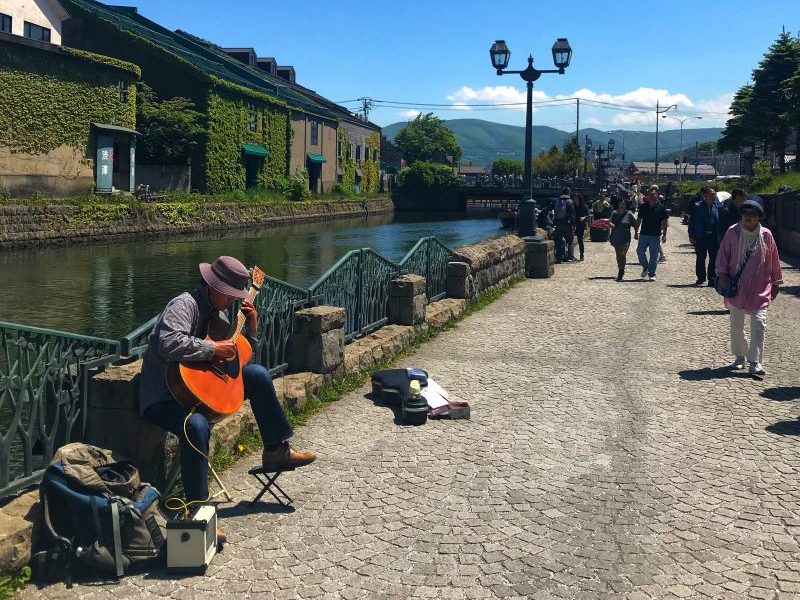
(104, 170)
(105, 155)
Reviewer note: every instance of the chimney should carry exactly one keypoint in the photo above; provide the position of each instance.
(267, 64)
(287, 73)
(244, 55)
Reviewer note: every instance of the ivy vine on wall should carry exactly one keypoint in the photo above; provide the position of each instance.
(50, 99)
(348, 164)
(228, 119)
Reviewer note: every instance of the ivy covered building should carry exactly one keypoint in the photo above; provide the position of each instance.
(258, 127)
(67, 119)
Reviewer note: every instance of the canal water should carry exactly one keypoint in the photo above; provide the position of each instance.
(109, 289)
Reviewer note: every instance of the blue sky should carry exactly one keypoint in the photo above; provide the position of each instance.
(691, 53)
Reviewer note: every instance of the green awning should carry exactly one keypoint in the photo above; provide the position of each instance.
(316, 158)
(255, 150)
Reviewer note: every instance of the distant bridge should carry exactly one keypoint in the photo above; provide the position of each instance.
(499, 198)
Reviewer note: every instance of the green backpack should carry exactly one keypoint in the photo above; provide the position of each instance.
(97, 511)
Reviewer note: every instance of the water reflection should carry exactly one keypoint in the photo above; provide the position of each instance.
(109, 289)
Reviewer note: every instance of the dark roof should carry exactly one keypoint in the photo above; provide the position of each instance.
(204, 57)
(117, 128)
(471, 170)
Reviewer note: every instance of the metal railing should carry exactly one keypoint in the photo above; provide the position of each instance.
(429, 258)
(44, 380)
(44, 374)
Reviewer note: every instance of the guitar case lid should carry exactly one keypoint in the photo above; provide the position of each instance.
(391, 385)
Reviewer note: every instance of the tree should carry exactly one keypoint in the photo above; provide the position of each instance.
(426, 136)
(503, 167)
(170, 128)
(740, 130)
(769, 104)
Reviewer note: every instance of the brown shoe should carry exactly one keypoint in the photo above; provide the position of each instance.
(286, 457)
(221, 537)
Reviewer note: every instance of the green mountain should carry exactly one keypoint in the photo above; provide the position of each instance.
(484, 141)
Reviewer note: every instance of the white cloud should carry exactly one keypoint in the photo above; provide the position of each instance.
(410, 114)
(713, 110)
(498, 94)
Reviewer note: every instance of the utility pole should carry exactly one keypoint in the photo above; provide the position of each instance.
(366, 106)
(577, 136)
(658, 113)
(696, 160)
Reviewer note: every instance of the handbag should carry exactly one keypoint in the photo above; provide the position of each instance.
(732, 288)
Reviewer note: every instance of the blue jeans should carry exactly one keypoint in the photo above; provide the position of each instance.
(267, 410)
(648, 241)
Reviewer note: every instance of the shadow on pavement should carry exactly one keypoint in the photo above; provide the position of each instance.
(685, 285)
(604, 277)
(707, 374)
(245, 507)
(785, 427)
(396, 410)
(791, 392)
(790, 290)
(721, 311)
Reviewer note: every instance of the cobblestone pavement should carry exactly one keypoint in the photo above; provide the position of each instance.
(608, 456)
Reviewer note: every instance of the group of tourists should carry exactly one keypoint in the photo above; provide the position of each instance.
(570, 219)
(735, 254)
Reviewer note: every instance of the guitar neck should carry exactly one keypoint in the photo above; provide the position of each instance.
(240, 317)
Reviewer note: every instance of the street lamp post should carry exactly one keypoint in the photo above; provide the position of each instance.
(586, 149)
(658, 112)
(500, 55)
(682, 121)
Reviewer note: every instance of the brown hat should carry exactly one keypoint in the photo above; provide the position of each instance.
(226, 275)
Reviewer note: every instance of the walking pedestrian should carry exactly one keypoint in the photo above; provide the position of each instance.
(705, 234)
(564, 221)
(748, 258)
(622, 219)
(729, 215)
(652, 223)
(581, 221)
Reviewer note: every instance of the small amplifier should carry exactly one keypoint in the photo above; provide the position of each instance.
(192, 542)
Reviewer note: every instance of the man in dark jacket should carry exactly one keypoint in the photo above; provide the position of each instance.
(564, 222)
(729, 215)
(705, 234)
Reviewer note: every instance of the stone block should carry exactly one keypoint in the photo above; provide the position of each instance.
(407, 286)
(317, 352)
(539, 259)
(319, 319)
(19, 521)
(458, 269)
(226, 431)
(459, 287)
(407, 310)
(295, 388)
(116, 387)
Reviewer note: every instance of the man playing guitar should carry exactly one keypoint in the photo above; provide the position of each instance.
(179, 335)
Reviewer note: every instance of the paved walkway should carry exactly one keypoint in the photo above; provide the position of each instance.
(607, 457)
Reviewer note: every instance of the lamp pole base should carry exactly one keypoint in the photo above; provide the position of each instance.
(526, 218)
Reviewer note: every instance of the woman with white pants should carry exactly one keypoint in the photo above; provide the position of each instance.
(749, 249)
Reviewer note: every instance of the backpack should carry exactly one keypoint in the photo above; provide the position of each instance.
(560, 209)
(97, 512)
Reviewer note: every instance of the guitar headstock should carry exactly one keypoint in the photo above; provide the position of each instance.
(257, 277)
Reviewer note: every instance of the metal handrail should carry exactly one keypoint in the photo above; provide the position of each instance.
(44, 373)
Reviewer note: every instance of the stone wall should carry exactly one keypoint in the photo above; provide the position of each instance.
(22, 226)
(479, 267)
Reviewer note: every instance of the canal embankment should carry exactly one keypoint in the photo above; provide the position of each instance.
(65, 224)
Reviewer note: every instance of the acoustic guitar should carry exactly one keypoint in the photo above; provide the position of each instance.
(216, 389)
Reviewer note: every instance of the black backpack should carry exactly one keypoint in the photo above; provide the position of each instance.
(96, 511)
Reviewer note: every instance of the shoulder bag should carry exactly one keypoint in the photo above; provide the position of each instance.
(732, 288)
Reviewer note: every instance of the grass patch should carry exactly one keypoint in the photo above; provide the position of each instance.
(11, 584)
(257, 196)
(750, 185)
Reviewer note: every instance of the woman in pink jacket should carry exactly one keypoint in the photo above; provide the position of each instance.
(748, 243)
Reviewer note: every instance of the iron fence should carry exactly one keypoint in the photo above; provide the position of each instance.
(428, 258)
(44, 374)
(44, 377)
